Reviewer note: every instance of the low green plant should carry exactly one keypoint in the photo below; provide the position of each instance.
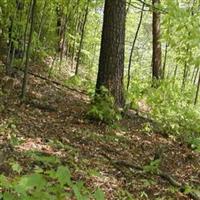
(83, 83)
(153, 166)
(194, 143)
(136, 91)
(147, 128)
(54, 184)
(74, 81)
(103, 108)
(171, 108)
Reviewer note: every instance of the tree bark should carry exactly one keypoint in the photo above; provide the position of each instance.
(193, 73)
(111, 62)
(165, 62)
(25, 32)
(42, 20)
(197, 92)
(62, 39)
(185, 75)
(25, 79)
(175, 71)
(82, 38)
(157, 52)
(195, 78)
(75, 34)
(11, 47)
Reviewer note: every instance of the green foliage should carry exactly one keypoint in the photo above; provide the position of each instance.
(83, 83)
(74, 81)
(136, 91)
(171, 109)
(103, 108)
(183, 20)
(125, 195)
(152, 167)
(41, 158)
(147, 128)
(99, 195)
(16, 167)
(194, 143)
(49, 184)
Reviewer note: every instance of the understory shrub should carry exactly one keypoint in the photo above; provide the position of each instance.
(103, 108)
(84, 84)
(171, 108)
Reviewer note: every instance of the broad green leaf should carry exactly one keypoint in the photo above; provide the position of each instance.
(77, 192)
(29, 182)
(63, 175)
(99, 195)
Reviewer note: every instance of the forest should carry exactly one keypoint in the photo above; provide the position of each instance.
(99, 100)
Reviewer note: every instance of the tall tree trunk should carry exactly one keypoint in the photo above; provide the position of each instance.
(165, 62)
(74, 43)
(62, 39)
(111, 63)
(25, 32)
(94, 48)
(25, 79)
(61, 23)
(185, 74)
(157, 51)
(82, 38)
(195, 78)
(11, 49)
(193, 73)
(175, 71)
(197, 92)
(133, 46)
(13, 37)
(42, 19)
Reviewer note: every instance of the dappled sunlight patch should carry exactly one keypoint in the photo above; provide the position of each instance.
(36, 144)
(35, 94)
(120, 133)
(143, 107)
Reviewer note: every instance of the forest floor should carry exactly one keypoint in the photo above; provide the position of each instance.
(54, 122)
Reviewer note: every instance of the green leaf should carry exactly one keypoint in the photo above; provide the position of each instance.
(3, 181)
(99, 195)
(77, 192)
(63, 175)
(9, 196)
(29, 182)
(46, 159)
(16, 167)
